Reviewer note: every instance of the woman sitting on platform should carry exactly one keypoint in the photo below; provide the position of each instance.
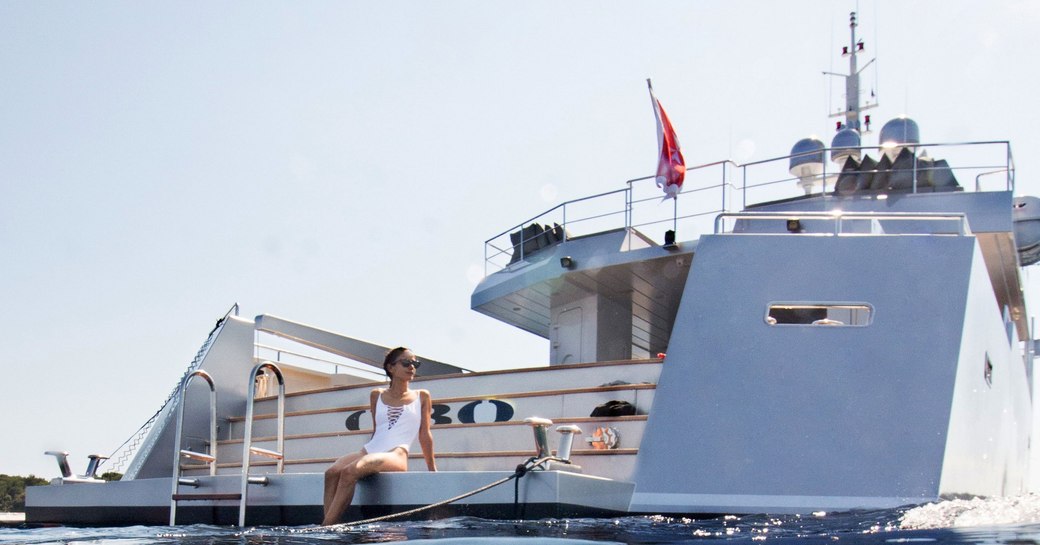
(399, 415)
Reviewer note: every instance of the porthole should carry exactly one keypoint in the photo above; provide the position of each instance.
(819, 314)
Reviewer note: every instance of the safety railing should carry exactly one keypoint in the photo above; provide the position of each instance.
(247, 442)
(815, 223)
(293, 357)
(771, 179)
(639, 205)
(725, 186)
(209, 458)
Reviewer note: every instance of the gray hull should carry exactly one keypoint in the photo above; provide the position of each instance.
(295, 499)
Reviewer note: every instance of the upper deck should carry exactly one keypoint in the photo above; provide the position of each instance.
(725, 187)
(631, 244)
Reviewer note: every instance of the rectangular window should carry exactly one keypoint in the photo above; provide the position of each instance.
(820, 314)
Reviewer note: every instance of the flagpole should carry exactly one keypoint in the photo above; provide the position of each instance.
(675, 213)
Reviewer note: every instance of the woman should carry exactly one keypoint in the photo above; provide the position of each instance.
(399, 414)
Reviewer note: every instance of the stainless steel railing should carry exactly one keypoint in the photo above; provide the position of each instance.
(337, 366)
(793, 221)
(210, 458)
(726, 186)
(247, 441)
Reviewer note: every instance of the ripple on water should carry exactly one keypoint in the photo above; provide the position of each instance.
(1010, 521)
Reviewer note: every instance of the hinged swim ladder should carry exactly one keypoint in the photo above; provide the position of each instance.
(247, 442)
(178, 453)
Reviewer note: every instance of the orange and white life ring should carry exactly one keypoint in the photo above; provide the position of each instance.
(604, 438)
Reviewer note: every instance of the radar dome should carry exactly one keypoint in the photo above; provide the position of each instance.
(807, 157)
(845, 144)
(900, 131)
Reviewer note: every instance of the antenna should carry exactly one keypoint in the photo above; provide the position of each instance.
(852, 98)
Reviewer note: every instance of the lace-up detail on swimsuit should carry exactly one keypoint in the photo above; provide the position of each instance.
(392, 414)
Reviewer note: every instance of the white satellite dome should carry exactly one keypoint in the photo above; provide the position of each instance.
(900, 131)
(807, 163)
(846, 143)
(807, 157)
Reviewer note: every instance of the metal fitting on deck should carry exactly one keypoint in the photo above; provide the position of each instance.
(539, 427)
(567, 434)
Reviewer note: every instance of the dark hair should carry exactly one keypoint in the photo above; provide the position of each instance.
(390, 358)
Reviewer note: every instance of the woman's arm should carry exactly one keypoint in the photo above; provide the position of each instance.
(425, 436)
(372, 397)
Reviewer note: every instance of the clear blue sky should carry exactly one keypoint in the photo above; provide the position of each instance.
(341, 163)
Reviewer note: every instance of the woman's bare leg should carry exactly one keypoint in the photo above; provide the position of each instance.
(332, 476)
(353, 470)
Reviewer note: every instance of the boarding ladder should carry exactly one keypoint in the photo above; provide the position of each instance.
(247, 442)
(178, 452)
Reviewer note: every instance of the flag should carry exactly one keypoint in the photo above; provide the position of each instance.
(670, 166)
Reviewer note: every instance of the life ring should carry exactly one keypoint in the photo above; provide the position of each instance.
(604, 438)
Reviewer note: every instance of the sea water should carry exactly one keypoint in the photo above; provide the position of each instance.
(1010, 521)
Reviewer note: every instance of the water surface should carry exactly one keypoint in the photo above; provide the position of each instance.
(1010, 521)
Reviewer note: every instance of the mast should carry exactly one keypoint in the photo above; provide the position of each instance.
(852, 80)
(852, 103)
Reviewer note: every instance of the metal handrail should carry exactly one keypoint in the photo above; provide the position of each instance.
(211, 458)
(742, 182)
(558, 206)
(1009, 167)
(247, 441)
(562, 207)
(1006, 170)
(839, 217)
(336, 364)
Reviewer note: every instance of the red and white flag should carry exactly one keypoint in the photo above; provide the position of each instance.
(671, 169)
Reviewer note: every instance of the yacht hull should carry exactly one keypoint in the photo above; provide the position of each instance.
(295, 499)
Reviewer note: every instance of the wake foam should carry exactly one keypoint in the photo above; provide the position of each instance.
(973, 512)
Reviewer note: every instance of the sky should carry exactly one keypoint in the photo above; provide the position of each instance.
(341, 164)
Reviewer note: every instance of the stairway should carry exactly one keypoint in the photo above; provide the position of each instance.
(478, 420)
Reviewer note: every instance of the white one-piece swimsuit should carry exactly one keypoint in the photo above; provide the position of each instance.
(395, 426)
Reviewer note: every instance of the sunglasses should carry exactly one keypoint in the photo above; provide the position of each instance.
(410, 363)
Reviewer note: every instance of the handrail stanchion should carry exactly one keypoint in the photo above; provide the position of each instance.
(178, 452)
(1010, 166)
(913, 173)
(628, 205)
(724, 167)
(247, 441)
(743, 169)
(564, 212)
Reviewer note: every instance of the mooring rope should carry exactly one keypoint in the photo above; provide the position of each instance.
(520, 471)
